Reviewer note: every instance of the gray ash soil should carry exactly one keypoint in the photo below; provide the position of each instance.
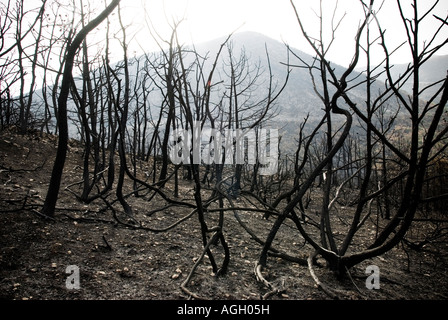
(118, 261)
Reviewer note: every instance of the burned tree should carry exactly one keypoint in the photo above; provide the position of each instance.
(425, 118)
(72, 49)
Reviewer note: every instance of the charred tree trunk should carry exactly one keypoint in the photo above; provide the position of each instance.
(58, 167)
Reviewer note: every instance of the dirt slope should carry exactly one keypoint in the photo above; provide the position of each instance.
(119, 262)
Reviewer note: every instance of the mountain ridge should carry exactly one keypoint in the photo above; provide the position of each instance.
(298, 100)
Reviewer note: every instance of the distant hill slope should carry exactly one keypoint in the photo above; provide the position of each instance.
(298, 99)
(433, 70)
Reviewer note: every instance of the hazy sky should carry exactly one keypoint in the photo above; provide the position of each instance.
(209, 19)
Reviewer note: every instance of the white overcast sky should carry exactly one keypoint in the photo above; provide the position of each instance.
(209, 19)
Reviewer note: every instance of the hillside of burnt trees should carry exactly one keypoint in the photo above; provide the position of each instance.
(186, 143)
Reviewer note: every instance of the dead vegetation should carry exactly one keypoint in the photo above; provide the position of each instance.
(159, 254)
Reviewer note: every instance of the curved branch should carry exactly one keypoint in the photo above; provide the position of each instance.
(319, 284)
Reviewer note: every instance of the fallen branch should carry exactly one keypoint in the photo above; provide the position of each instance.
(274, 290)
(351, 279)
(138, 225)
(43, 215)
(107, 243)
(5, 169)
(272, 251)
(259, 276)
(82, 181)
(319, 284)
(184, 284)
